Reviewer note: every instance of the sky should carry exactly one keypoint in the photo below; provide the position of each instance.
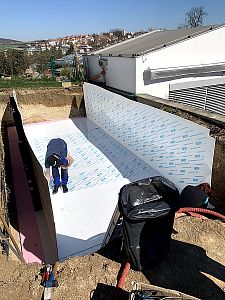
(27, 20)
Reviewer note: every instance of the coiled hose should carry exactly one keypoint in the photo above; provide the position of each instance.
(195, 210)
(201, 210)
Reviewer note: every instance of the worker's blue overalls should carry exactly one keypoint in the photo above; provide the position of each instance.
(59, 148)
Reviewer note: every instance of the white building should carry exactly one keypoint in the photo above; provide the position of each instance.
(84, 49)
(163, 61)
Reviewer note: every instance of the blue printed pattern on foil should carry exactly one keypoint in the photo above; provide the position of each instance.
(179, 149)
(98, 158)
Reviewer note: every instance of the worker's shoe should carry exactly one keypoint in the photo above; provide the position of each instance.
(65, 188)
(55, 189)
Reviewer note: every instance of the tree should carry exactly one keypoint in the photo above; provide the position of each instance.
(3, 64)
(71, 49)
(42, 58)
(194, 17)
(13, 62)
(119, 33)
(66, 73)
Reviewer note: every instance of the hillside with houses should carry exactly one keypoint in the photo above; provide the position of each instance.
(83, 43)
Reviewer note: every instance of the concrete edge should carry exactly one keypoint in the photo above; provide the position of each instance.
(206, 115)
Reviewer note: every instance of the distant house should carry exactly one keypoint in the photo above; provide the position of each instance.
(163, 61)
(84, 49)
(5, 76)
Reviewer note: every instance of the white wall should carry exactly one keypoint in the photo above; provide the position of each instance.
(208, 48)
(196, 82)
(94, 181)
(161, 89)
(180, 150)
(120, 72)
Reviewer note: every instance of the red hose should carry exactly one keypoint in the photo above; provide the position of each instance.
(201, 210)
(193, 214)
(121, 281)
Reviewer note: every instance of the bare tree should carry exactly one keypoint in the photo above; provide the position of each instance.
(195, 16)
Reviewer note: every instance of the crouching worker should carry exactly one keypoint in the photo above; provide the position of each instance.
(57, 157)
(196, 196)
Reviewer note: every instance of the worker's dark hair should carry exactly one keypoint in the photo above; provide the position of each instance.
(53, 160)
(206, 188)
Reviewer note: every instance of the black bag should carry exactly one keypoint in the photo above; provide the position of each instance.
(194, 196)
(153, 295)
(148, 207)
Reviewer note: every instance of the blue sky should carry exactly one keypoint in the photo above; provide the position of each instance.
(42, 19)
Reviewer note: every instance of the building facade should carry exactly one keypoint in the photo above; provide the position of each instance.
(157, 61)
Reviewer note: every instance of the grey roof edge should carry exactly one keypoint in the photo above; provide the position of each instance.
(205, 30)
(97, 52)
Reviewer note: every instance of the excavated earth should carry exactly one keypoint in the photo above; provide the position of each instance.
(195, 264)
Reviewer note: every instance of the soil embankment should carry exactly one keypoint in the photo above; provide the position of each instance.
(196, 264)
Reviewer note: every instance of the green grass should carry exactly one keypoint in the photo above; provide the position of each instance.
(27, 83)
(9, 46)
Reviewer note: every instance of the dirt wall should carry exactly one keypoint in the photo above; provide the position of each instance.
(3, 188)
(196, 262)
(39, 105)
(50, 104)
(218, 174)
(36, 105)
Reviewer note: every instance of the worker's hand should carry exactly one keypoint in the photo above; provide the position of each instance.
(47, 175)
(64, 166)
(70, 160)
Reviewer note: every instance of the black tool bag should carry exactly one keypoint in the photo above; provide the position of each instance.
(148, 207)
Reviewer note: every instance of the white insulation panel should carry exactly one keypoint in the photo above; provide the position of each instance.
(101, 167)
(179, 149)
(120, 141)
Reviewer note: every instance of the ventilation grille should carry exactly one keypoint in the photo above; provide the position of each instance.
(210, 98)
(216, 99)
